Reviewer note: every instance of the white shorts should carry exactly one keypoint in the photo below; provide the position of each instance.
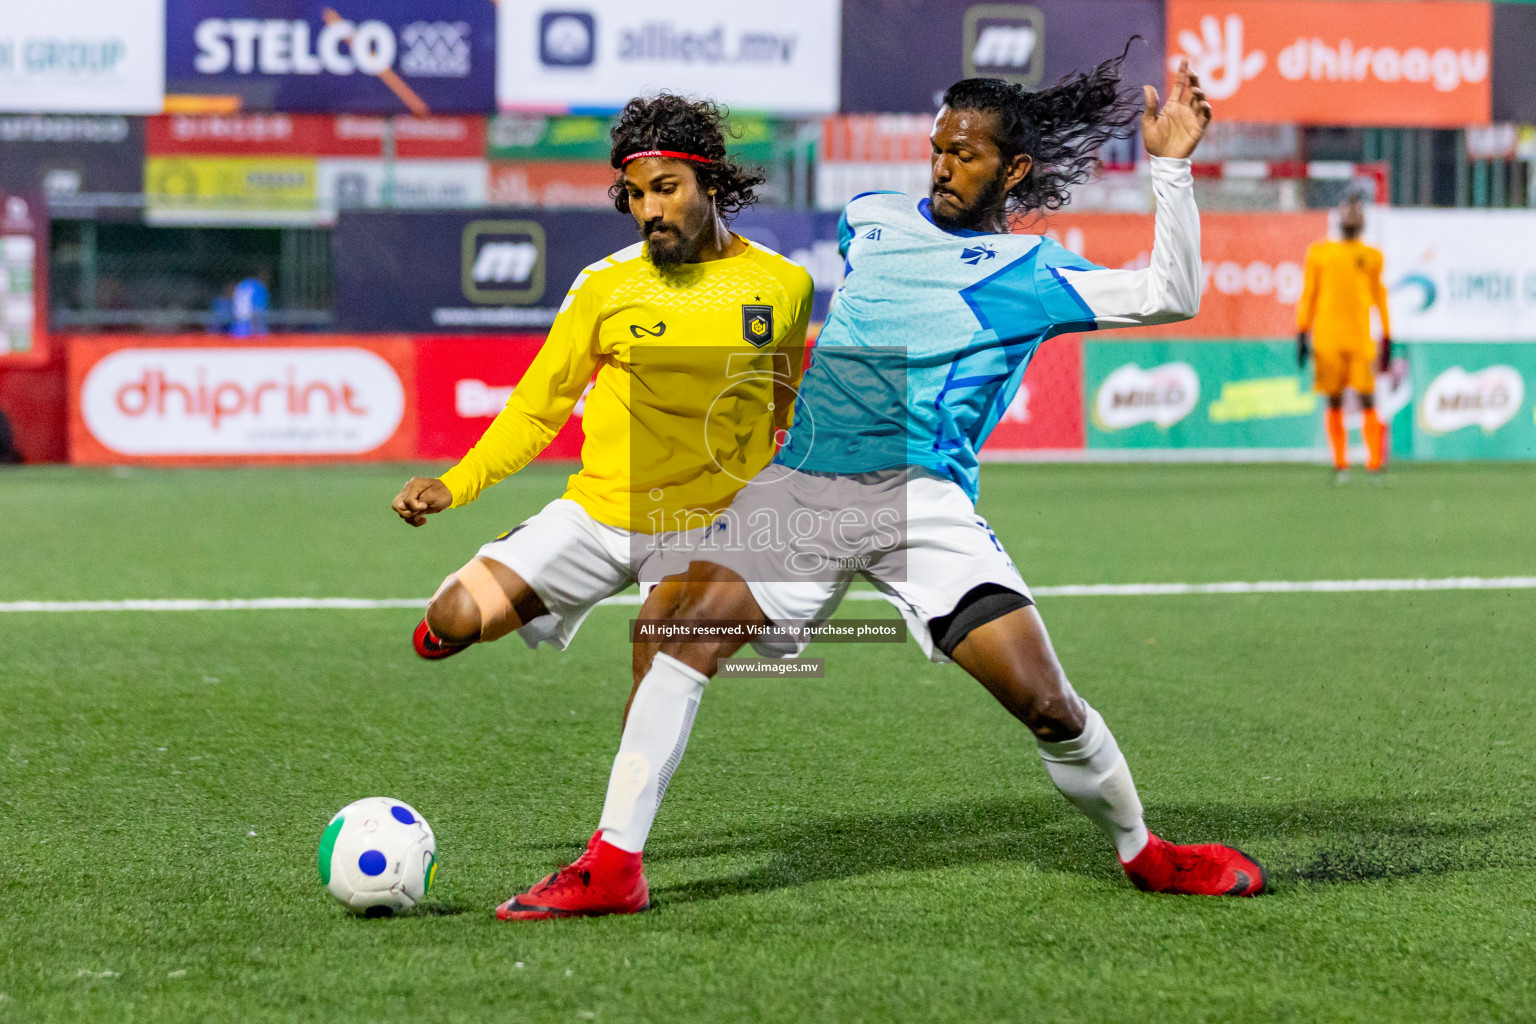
(914, 534)
(572, 562)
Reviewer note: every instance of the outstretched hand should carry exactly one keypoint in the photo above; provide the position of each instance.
(1175, 130)
(420, 497)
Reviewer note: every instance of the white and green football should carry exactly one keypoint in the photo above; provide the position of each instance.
(378, 856)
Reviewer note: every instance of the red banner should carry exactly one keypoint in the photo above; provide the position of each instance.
(195, 400)
(1252, 266)
(462, 383)
(344, 135)
(1047, 413)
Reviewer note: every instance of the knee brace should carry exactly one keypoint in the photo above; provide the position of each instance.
(496, 618)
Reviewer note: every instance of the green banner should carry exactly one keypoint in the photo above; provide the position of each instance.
(1473, 401)
(1441, 400)
(1199, 394)
(584, 137)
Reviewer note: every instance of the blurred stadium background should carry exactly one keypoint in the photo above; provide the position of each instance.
(246, 240)
(398, 196)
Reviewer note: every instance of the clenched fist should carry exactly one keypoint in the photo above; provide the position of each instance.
(420, 497)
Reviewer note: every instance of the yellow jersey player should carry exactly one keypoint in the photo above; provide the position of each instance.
(696, 337)
(1343, 282)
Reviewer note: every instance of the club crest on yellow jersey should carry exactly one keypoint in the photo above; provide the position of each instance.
(757, 324)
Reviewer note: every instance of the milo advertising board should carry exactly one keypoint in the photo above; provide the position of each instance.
(1474, 401)
(1216, 395)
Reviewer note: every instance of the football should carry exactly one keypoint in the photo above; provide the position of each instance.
(378, 856)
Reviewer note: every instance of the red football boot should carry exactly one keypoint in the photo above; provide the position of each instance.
(1207, 870)
(604, 880)
(430, 647)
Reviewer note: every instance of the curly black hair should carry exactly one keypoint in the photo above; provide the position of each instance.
(698, 127)
(1061, 128)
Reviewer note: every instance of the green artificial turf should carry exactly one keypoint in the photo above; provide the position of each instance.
(881, 844)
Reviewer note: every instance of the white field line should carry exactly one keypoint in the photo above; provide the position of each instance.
(1072, 590)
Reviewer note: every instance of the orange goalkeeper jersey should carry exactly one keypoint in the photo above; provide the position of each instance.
(1343, 282)
(695, 371)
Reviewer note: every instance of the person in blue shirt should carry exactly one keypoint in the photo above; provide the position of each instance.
(249, 304)
(940, 311)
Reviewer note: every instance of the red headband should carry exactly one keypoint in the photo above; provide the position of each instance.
(674, 154)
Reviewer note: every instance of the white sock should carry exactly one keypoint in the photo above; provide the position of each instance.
(1092, 774)
(655, 736)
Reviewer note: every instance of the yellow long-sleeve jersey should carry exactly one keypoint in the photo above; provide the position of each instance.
(1343, 282)
(695, 367)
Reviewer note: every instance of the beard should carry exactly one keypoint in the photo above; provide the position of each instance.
(670, 249)
(978, 214)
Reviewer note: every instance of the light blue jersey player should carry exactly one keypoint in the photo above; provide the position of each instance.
(935, 324)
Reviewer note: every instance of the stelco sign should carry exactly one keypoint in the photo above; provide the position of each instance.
(362, 56)
(218, 402)
(278, 47)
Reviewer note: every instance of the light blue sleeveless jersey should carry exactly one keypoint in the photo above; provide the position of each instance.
(927, 341)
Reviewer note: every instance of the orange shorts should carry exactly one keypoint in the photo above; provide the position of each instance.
(1344, 368)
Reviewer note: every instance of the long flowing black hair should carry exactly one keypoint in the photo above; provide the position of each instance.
(696, 127)
(1061, 128)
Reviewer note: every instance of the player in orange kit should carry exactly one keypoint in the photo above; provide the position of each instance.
(1343, 282)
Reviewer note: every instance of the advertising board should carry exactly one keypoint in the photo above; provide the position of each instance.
(342, 184)
(1459, 275)
(23, 274)
(1252, 265)
(1047, 412)
(62, 155)
(83, 56)
(597, 54)
(459, 272)
(344, 135)
(190, 400)
(1396, 62)
(286, 168)
(550, 183)
(1179, 394)
(900, 57)
(1474, 401)
(462, 383)
(372, 56)
(506, 271)
(231, 189)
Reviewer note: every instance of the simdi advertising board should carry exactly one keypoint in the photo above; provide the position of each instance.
(1460, 275)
